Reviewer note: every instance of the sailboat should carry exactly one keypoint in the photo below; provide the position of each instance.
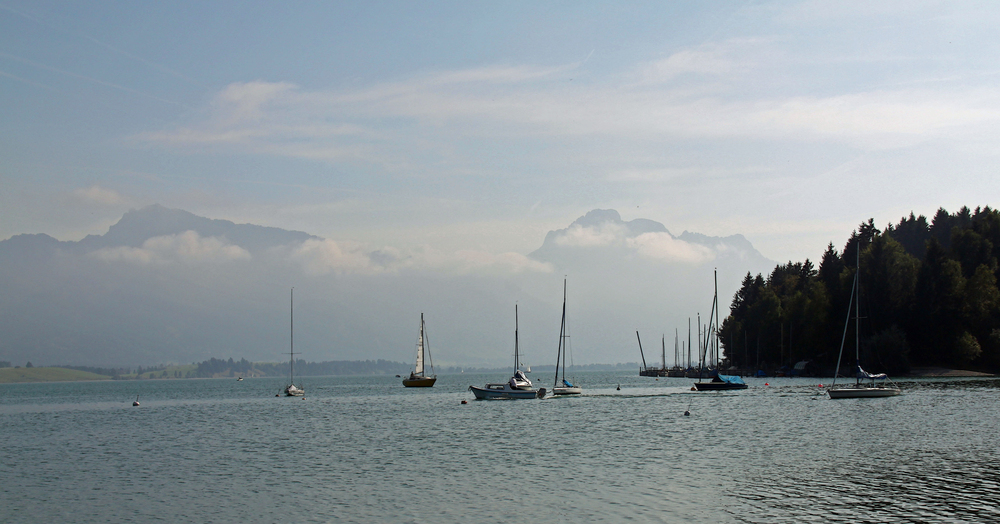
(517, 387)
(291, 390)
(417, 379)
(865, 386)
(719, 382)
(566, 388)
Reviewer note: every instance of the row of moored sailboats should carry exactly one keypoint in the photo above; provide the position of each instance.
(520, 387)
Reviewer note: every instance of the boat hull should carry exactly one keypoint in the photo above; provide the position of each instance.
(419, 382)
(862, 392)
(717, 386)
(504, 392)
(575, 390)
(292, 391)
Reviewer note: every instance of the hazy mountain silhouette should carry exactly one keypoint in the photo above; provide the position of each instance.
(165, 285)
(138, 226)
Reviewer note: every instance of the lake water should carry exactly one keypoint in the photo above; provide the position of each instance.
(365, 449)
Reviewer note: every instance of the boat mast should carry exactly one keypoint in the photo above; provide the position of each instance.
(291, 337)
(418, 369)
(663, 348)
(561, 352)
(715, 304)
(640, 350)
(857, 313)
(515, 340)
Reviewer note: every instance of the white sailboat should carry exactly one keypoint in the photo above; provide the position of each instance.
(517, 387)
(291, 390)
(417, 378)
(565, 388)
(865, 385)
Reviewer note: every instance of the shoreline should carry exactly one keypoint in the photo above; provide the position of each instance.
(935, 372)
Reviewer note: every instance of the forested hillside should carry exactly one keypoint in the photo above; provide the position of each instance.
(929, 297)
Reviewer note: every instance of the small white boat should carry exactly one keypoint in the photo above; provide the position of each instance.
(565, 388)
(865, 385)
(291, 390)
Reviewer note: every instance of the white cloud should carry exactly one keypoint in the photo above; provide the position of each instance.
(477, 261)
(320, 257)
(99, 195)
(578, 236)
(187, 247)
(663, 246)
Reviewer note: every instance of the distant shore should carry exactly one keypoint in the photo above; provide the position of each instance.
(931, 372)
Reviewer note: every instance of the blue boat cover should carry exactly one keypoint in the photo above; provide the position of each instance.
(731, 379)
(871, 376)
(567, 384)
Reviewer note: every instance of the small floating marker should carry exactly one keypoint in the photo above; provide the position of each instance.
(694, 388)
(687, 413)
(619, 388)
(276, 394)
(465, 402)
(766, 384)
(821, 385)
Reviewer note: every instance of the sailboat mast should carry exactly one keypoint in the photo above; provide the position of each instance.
(515, 340)
(562, 330)
(857, 312)
(291, 337)
(562, 333)
(718, 357)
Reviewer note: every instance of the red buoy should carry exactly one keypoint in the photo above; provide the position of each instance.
(766, 384)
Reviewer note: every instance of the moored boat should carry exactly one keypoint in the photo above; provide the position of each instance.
(865, 385)
(291, 390)
(565, 387)
(417, 378)
(719, 382)
(518, 387)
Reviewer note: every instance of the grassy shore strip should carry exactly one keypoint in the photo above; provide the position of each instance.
(43, 374)
(945, 372)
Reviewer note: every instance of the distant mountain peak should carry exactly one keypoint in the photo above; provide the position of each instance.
(602, 233)
(139, 225)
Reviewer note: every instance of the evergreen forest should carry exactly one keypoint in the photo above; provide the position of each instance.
(928, 298)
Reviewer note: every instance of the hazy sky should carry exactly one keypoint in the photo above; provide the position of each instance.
(482, 125)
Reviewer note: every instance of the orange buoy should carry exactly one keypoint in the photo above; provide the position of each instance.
(694, 388)
(465, 402)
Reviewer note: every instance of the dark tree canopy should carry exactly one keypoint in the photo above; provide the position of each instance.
(929, 297)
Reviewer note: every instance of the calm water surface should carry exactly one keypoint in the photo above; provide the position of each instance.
(365, 449)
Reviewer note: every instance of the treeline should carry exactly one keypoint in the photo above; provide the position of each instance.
(217, 367)
(114, 373)
(929, 297)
